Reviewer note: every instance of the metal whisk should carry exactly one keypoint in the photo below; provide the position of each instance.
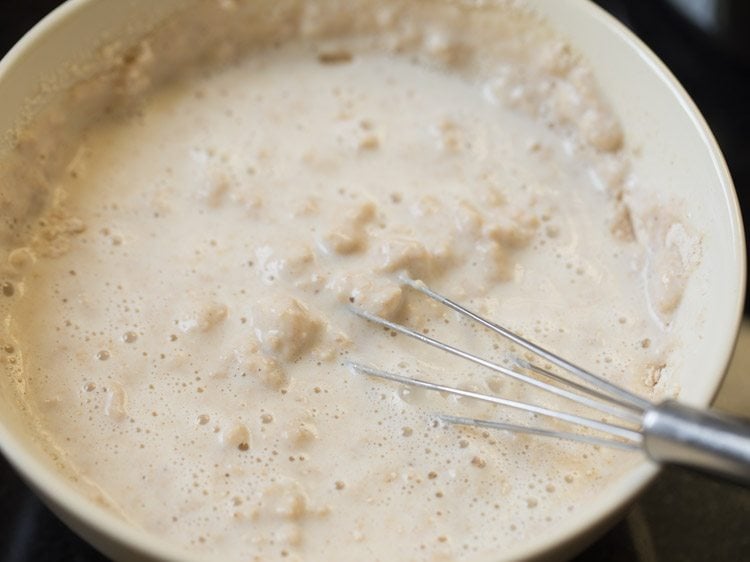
(668, 432)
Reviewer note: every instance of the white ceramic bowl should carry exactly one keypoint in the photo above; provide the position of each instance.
(678, 155)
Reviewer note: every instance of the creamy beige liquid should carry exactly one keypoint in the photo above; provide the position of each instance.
(181, 321)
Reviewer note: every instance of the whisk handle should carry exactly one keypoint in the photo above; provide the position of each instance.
(679, 434)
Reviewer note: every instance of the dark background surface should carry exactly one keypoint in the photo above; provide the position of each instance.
(681, 516)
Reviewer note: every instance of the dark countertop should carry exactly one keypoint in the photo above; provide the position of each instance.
(682, 516)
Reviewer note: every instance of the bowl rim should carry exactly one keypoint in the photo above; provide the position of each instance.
(87, 516)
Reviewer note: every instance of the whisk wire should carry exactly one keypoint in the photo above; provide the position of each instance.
(626, 411)
(633, 401)
(605, 408)
(612, 429)
(516, 428)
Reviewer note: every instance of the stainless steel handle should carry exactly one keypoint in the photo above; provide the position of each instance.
(678, 434)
